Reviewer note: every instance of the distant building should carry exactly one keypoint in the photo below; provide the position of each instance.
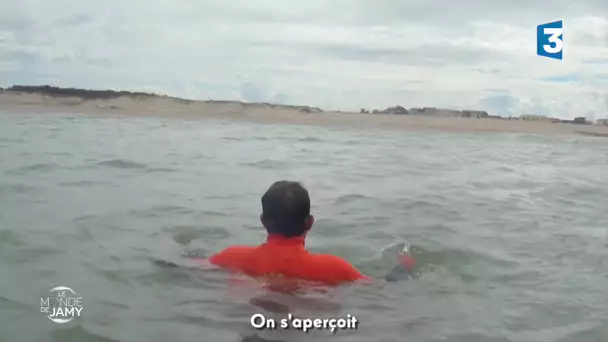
(543, 118)
(580, 120)
(532, 117)
(602, 122)
(432, 111)
(396, 110)
(415, 111)
(310, 109)
(474, 114)
(391, 110)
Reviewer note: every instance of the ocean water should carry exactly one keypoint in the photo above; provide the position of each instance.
(509, 230)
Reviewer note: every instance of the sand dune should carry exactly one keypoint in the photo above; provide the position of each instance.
(154, 105)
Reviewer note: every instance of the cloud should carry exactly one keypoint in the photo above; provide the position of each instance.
(342, 54)
(568, 78)
(251, 93)
(503, 104)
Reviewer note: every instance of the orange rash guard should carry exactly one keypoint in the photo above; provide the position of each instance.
(286, 257)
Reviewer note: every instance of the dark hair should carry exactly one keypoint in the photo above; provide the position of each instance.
(285, 208)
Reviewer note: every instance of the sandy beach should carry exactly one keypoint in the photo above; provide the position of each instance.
(19, 102)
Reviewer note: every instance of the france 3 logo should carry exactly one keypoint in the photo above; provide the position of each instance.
(550, 40)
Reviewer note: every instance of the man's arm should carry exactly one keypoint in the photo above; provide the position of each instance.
(230, 257)
(401, 271)
(224, 258)
(351, 273)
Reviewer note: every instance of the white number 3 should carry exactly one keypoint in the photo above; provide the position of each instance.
(557, 43)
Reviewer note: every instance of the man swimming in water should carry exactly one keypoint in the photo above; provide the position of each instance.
(287, 219)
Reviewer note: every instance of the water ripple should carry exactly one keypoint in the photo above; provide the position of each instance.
(121, 164)
(266, 164)
(17, 188)
(37, 167)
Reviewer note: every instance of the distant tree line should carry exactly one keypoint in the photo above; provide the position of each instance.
(82, 93)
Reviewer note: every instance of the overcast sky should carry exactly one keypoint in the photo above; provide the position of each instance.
(335, 54)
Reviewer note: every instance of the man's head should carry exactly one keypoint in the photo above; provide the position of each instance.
(286, 209)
